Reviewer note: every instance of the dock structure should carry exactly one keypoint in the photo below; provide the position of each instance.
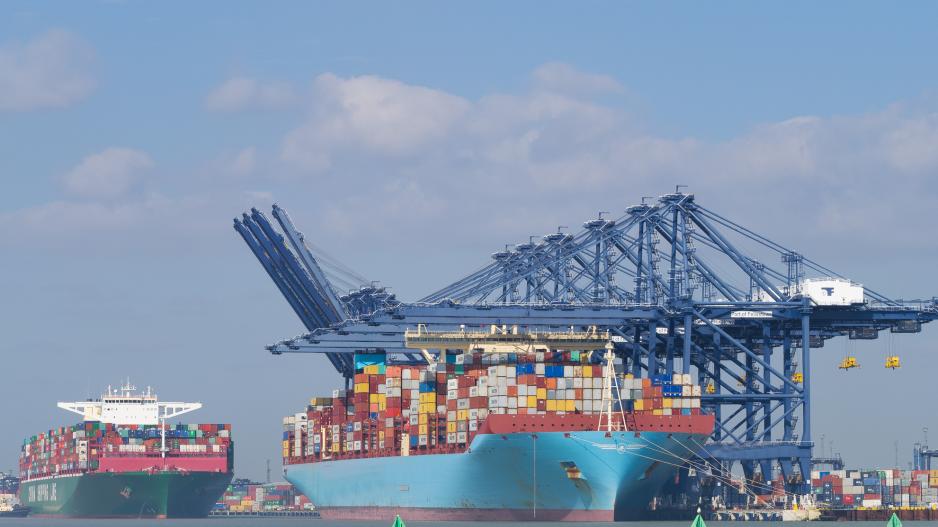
(678, 287)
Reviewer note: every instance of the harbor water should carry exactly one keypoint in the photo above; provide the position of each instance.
(297, 522)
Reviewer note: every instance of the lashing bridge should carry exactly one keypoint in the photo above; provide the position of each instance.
(681, 289)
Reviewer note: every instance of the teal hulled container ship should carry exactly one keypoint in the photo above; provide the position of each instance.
(515, 468)
(124, 461)
(540, 435)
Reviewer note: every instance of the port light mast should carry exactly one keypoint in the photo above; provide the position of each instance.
(678, 287)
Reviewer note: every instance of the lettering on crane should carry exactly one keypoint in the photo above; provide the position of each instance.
(828, 290)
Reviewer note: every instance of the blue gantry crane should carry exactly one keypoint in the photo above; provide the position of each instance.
(681, 288)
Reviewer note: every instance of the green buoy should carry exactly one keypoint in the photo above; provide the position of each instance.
(894, 521)
(699, 522)
(398, 522)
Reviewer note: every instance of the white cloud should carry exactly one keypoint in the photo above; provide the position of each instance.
(244, 162)
(241, 93)
(53, 70)
(564, 78)
(370, 115)
(504, 152)
(108, 174)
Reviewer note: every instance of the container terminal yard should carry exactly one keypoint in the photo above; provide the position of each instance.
(692, 315)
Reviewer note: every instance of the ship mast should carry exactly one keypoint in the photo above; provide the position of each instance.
(610, 379)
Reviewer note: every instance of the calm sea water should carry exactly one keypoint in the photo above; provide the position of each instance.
(297, 522)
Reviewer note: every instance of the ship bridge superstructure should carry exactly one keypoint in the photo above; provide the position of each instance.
(678, 287)
(126, 406)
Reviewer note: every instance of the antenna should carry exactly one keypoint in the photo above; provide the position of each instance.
(268, 471)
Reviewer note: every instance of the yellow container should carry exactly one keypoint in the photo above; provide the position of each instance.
(571, 405)
(542, 393)
(532, 401)
(667, 402)
(361, 387)
(422, 419)
(371, 369)
(657, 412)
(422, 429)
(551, 405)
(451, 427)
(587, 371)
(462, 415)
(639, 404)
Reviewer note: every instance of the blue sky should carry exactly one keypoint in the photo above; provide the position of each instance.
(412, 140)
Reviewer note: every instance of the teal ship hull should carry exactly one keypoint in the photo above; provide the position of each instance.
(572, 476)
(125, 494)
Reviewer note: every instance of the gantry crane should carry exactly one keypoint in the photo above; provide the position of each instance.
(679, 287)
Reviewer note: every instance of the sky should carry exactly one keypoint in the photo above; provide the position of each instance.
(412, 140)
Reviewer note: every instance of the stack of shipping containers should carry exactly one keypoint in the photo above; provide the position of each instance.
(876, 488)
(81, 447)
(247, 497)
(439, 407)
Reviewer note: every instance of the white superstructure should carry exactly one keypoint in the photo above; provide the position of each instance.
(832, 291)
(124, 406)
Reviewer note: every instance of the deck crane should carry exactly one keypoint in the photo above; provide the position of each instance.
(681, 289)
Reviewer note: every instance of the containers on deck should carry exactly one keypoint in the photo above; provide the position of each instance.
(404, 409)
(82, 447)
(876, 488)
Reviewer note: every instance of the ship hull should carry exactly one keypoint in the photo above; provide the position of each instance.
(125, 495)
(569, 476)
